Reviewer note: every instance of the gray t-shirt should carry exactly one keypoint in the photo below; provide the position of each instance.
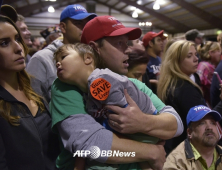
(107, 88)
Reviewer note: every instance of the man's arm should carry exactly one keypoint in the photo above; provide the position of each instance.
(42, 71)
(132, 120)
(81, 131)
(37, 68)
(143, 152)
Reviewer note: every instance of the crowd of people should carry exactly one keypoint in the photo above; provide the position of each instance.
(101, 85)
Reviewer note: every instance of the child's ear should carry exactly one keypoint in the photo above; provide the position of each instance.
(88, 59)
(62, 27)
(95, 46)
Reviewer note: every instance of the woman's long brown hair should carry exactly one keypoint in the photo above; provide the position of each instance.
(24, 84)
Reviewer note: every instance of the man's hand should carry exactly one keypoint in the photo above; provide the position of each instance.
(126, 120)
(131, 120)
(159, 157)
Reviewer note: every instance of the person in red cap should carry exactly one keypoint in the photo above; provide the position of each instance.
(104, 88)
(153, 42)
(108, 37)
(108, 28)
(138, 60)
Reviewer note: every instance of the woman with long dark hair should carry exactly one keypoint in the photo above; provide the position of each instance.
(26, 139)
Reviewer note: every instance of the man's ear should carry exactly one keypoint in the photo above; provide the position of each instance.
(88, 59)
(150, 43)
(62, 26)
(95, 46)
(189, 131)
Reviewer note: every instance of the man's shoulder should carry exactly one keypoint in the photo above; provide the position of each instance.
(65, 100)
(180, 149)
(177, 155)
(58, 85)
(154, 61)
(108, 75)
(42, 54)
(49, 50)
(219, 149)
(140, 85)
(177, 159)
(154, 58)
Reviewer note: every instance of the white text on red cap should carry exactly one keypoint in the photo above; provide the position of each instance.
(112, 18)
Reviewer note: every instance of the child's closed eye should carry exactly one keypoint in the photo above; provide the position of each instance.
(63, 57)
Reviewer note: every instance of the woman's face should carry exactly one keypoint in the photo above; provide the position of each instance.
(215, 57)
(11, 51)
(189, 65)
(137, 72)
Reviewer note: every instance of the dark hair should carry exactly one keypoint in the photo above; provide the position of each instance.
(100, 41)
(20, 18)
(65, 20)
(153, 41)
(24, 83)
(136, 59)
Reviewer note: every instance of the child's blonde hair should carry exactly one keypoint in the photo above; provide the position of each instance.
(82, 50)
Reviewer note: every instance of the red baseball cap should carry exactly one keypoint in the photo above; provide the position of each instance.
(150, 35)
(107, 26)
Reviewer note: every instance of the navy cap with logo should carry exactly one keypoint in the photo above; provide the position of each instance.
(198, 112)
(76, 12)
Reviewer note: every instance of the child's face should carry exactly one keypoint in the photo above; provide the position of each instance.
(69, 65)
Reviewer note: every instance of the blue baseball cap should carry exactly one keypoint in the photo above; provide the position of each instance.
(198, 112)
(77, 12)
